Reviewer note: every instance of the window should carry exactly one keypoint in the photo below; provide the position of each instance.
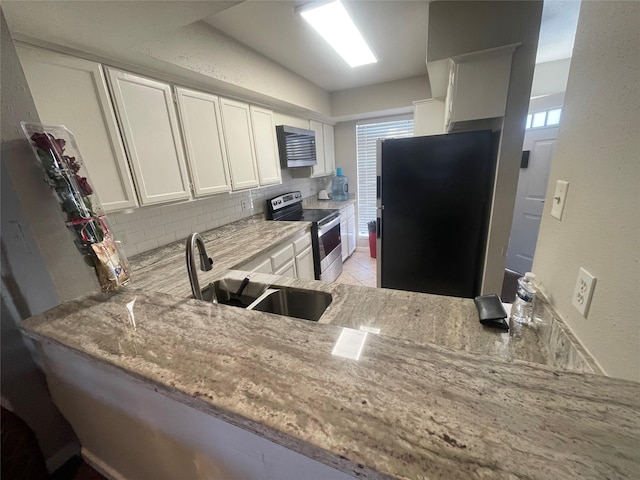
(547, 118)
(366, 140)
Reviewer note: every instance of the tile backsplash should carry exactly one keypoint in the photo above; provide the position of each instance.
(146, 228)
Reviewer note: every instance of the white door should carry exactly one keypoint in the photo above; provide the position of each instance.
(72, 92)
(532, 188)
(152, 137)
(236, 121)
(204, 141)
(264, 137)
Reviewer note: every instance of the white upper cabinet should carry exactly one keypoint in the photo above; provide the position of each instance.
(266, 144)
(150, 130)
(319, 168)
(72, 92)
(204, 141)
(478, 85)
(236, 122)
(329, 149)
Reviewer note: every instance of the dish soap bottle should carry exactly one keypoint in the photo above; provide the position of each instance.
(340, 187)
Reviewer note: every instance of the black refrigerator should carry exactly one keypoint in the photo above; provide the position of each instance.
(434, 197)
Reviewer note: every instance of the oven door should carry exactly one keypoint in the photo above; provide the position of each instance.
(330, 249)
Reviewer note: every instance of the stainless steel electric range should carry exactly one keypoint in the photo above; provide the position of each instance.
(325, 232)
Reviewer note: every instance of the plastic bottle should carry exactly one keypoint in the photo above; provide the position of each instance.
(522, 308)
(340, 187)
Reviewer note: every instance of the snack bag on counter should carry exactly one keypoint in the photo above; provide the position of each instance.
(112, 272)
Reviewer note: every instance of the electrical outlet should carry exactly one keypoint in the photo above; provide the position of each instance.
(583, 292)
(243, 205)
(558, 199)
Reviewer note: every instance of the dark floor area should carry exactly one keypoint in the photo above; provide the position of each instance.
(22, 459)
(76, 469)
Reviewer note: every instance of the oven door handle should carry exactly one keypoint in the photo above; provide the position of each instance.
(328, 226)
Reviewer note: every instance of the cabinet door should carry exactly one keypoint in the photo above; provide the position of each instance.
(344, 239)
(150, 129)
(319, 169)
(236, 123)
(304, 265)
(329, 149)
(204, 141)
(352, 234)
(288, 270)
(264, 138)
(264, 267)
(72, 92)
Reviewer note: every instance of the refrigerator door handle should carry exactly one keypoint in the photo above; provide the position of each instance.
(378, 187)
(379, 223)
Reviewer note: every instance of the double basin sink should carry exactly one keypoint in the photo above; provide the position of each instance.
(288, 301)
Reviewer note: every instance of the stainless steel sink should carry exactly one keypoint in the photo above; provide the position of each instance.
(288, 301)
(225, 289)
(305, 304)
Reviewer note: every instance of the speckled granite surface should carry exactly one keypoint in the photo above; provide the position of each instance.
(446, 321)
(164, 269)
(313, 202)
(404, 410)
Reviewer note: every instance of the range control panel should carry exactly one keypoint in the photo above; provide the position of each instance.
(285, 200)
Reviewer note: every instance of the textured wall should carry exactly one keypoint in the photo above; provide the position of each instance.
(598, 153)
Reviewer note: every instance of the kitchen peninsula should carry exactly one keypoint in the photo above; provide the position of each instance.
(467, 408)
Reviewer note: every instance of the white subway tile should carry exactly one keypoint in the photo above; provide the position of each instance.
(147, 245)
(154, 232)
(166, 239)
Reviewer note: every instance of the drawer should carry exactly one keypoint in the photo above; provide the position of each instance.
(350, 211)
(302, 244)
(282, 256)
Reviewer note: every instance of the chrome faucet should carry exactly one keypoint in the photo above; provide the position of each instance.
(206, 263)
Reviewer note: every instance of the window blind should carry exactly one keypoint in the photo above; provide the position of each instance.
(366, 139)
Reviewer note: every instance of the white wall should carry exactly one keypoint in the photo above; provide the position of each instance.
(550, 77)
(200, 53)
(371, 100)
(40, 264)
(598, 153)
(456, 28)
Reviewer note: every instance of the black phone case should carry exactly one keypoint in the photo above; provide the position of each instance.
(491, 311)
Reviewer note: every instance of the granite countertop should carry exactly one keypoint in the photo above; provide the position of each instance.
(405, 409)
(164, 269)
(314, 203)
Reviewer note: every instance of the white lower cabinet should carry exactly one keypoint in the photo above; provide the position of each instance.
(73, 92)
(344, 237)
(236, 122)
(348, 231)
(304, 265)
(287, 270)
(293, 258)
(150, 129)
(204, 141)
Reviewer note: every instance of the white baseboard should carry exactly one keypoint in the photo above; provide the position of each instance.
(102, 468)
(55, 461)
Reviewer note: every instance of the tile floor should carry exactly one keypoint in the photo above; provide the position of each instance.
(359, 269)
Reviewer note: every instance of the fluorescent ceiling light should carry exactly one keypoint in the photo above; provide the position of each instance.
(332, 21)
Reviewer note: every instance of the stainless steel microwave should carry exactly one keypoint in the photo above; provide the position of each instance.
(297, 146)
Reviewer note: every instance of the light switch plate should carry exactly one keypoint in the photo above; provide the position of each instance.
(583, 292)
(558, 199)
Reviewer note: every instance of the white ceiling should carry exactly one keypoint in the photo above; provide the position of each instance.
(395, 30)
(558, 30)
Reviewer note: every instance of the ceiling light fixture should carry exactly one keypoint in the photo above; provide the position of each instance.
(332, 21)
